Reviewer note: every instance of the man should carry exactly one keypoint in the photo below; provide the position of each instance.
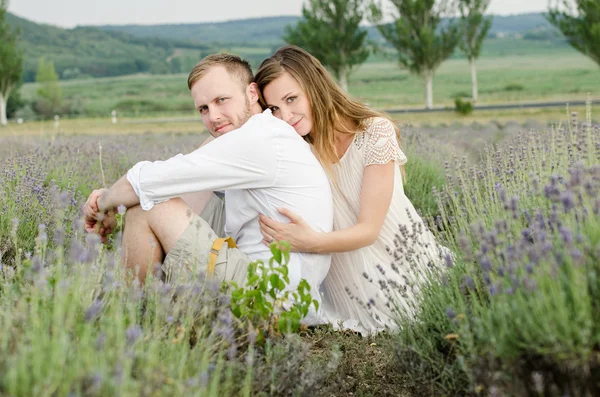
(258, 160)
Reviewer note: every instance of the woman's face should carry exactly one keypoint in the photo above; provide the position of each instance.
(289, 102)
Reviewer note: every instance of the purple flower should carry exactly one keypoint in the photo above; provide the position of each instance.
(93, 311)
(566, 234)
(468, 282)
(495, 289)
(133, 333)
(568, 200)
(485, 263)
(450, 313)
(121, 209)
(529, 268)
(448, 260)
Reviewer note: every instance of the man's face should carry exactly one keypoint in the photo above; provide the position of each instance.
(222, 101)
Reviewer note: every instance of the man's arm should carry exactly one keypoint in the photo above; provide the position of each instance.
(121, 192)
(242, 159)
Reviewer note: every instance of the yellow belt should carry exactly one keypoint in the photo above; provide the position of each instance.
(214, 252)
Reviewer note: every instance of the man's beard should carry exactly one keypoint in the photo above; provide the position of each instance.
(238, 122)
(246, 114)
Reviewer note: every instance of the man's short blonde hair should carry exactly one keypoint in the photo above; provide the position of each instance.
(235, 66)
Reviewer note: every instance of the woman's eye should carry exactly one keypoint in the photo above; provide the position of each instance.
(291, 99)
(274, 109)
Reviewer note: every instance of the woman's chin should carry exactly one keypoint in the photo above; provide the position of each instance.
(302, 132)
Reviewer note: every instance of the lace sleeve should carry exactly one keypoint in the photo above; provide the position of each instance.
(381, 144)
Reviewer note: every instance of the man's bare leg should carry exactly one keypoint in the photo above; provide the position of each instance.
(197, 201)
(149, 235)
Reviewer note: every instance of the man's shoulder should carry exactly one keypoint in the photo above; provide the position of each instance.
(271, 121)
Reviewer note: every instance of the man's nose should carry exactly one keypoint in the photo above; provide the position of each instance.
(214, 114)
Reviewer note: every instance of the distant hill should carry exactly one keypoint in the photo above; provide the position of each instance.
(128, 49)
(88, 51)
(254, 32)
(267, 32)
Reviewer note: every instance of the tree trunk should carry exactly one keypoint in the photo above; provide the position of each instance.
(428, 77)
(474, 80)
(343, 80)
(3, 101)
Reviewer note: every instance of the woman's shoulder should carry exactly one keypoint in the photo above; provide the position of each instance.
(379, 125)
(379, 142)
(374, 129)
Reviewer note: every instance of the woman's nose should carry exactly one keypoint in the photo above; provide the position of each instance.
(287, 115)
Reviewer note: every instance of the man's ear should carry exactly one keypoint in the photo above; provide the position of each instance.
(252, 92)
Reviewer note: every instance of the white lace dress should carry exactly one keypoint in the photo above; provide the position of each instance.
(357, 290)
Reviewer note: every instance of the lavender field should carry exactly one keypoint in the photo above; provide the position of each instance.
(514, 312)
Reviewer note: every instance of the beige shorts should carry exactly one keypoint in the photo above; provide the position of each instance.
(190, 255)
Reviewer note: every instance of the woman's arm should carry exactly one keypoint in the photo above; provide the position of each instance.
(375, 198)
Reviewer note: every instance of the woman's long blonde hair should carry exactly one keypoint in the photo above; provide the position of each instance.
(332, 109)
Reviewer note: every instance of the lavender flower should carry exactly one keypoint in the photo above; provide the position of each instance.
(450, 313)
(93, 311)
(132, 334)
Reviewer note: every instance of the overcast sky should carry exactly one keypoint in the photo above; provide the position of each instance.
(69, 13)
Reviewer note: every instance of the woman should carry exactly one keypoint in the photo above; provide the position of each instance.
(379, 244)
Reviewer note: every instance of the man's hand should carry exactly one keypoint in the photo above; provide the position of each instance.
(107, 224)
(91, 212)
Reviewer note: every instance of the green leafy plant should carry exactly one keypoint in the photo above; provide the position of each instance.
(463, 107)
(264, 303)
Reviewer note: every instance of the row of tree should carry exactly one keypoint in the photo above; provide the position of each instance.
(424, 33)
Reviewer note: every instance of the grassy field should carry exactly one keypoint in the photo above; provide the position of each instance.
(527, 73)
(517, 302)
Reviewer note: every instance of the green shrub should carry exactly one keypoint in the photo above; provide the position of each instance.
(514, 87)
(463, 107)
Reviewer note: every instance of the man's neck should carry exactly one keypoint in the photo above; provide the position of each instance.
(256, 109)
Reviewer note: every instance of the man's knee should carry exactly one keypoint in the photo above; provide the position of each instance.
(135, 215)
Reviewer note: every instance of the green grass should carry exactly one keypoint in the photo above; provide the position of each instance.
(563, 76)
(538, 74)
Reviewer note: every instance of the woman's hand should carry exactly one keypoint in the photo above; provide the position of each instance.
(300, 236)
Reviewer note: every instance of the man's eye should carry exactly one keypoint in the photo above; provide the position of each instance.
(203, 109)
(221, 100)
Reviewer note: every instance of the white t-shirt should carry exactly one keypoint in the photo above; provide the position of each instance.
(262, 166)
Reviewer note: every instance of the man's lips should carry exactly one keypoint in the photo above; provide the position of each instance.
(222, 127)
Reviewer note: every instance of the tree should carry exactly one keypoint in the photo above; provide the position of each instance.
(49, 91)
(475, 27)
(417, 34)
(11, 61)
(330, 30)
(580, 23)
